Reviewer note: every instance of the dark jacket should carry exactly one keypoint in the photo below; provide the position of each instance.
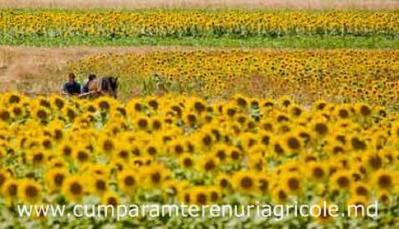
(72, 88)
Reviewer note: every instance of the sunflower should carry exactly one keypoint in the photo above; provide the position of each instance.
(198, 105)
(390, 157)
(278, 148)
(295, 111)
(70, 113)
(190, 145)
(248, 140)
(363, 109)
(320, 128)
(81, 156)
(383, 180)
(285, 101)
(153, 103)
(360, 189)
(341, 180)
(220, 151)
(46, 143)
(223, 181)
(107, 145)
(305, 135)
(17, 112)
(171, 188)
(12, 98)
(206, 139)
(57, 102)
(57, 133)
(176, 147)
(267, 129)
(292, 143)
(320, 105)
(98, 170)
(214, 194)
(292, 183)
(317, 171)
(29, 191)
(207, 163)
(4, 176)
(66, 149)
(187, 161)
(372, 161)
(343, 112)
(230, 110)
(5, 115)
(105, 104)
(135, 106)
(136, 150)
(99, 185)
(190, 119)
(281, 119)
(110, 198)
(55, 178)
(152, 149)
(199, 196)
(122, 153)
(244, 182)
(241, 101)
(128, 181)
(37, 157)
(358, 144)
(74, 188)
(186, 196)
(234, 154)
(265, 138)
(155, 175)
(256, 161)
(263, 183)
(142, 123)
(10, 191)
(241, 119)
(385, 197)
(41, 114)
(279, 195)
(335, 147)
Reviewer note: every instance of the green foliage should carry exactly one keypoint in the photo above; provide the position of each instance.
(327, 42)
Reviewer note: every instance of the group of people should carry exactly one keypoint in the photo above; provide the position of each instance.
(72, 87)
(93, 87)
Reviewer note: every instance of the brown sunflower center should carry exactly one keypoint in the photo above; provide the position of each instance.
(246, 182)
(76, 188)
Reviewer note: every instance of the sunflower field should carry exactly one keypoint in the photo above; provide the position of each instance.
(195, 23)
(186, 150)
(342, 75)
(208, 116)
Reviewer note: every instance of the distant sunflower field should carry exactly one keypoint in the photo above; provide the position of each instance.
(195, 23)
(186, 150)
(342, 75)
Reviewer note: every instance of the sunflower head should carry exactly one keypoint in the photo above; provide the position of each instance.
(245, 182)
(74, 188)
(55, 178)
(29, 191)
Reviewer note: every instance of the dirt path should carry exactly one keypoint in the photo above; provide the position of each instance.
(20, 66)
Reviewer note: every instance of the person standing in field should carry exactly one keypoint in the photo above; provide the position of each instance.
(71, 87)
